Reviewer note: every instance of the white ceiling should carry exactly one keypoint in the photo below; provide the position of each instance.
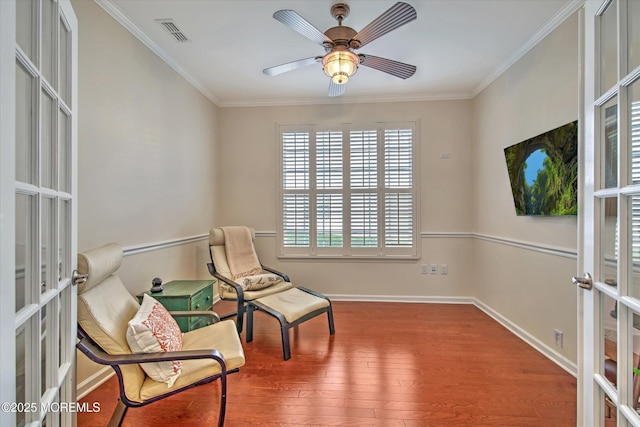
(458, 46)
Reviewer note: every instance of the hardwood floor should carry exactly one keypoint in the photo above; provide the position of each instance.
(388, 364)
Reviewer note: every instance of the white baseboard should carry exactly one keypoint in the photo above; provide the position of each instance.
(397, 298)
(534, 342)
(94, 381)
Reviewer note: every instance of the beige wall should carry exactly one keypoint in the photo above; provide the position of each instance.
(147, 145)
(249, 147)
(530, 288)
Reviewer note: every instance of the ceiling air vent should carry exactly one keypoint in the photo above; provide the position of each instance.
(173, 30)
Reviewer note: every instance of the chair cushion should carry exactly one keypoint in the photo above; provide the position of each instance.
(98, 264)
(104, 311)
(294, 303)
(221, 336)
(153, 330)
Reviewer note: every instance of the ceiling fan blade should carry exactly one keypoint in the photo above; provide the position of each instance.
(283, 68)
(291, 19)
(336, 89)
(398, 15)
(389, 66)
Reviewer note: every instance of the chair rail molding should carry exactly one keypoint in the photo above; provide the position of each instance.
(154, 246)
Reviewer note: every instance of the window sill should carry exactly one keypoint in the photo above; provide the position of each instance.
(349, 258)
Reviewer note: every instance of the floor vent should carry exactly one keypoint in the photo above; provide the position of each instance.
(173, 30)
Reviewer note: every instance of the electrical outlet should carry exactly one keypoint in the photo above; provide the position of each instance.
(557, 337)
(434, 268)
(425, 269)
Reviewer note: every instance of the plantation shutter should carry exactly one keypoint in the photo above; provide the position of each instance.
(363, 155)
(295, 183)
(329, 184)
(398, 180)
(349, 192)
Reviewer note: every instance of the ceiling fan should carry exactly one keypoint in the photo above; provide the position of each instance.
(340, 61)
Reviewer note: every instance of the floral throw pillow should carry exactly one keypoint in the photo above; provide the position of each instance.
(154, 330)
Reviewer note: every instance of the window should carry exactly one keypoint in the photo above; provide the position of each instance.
(348, 191)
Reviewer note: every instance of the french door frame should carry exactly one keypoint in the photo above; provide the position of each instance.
(48, 318)
(597, 256)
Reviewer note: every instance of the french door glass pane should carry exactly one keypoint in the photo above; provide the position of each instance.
(64, 153)
(609, 119)
(26, 142)
(48, 250)
(633, 42)
(64, 46)
(64, 325)
(48, 139)
(25, 244)
(609, 316)
(634, 373)
(43, 347)
(609, 414)
(634, 227)
(21, 372)
(609, 48)
(48, 328)
(26, 28)
(64, 239)
(634, 130)
(609, 241)
(49, 38)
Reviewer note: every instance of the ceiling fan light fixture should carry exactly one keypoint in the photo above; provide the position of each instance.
(340, 65)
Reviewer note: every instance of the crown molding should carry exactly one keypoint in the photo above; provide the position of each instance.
(453, 96)
(564, 13)
(124, 20)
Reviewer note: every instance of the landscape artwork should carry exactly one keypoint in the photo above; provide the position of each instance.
(543, 172)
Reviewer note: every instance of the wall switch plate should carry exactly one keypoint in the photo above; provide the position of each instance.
(444, 269)
(557, 337)
(425, 269)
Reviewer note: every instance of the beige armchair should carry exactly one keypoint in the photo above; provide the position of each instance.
(228, 288)
(105, 308)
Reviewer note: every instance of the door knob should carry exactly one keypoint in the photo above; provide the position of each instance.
(78, 279)
(585, 282)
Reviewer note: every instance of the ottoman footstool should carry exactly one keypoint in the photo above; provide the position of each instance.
(291, 307)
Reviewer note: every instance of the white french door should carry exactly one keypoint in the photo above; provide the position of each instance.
(38, 211)
(609, 377)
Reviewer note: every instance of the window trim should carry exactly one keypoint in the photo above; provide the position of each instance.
(346, 252)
